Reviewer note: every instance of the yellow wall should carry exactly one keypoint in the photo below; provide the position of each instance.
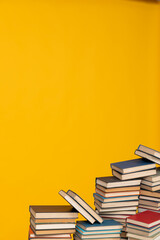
(79, 89)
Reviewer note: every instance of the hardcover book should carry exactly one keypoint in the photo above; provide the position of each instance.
(134, 165)
(85, 205)
(145, 219)
(56, 211)
(77, 206)
(107, 224)
(112, 182)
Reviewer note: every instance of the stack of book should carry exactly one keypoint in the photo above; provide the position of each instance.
(148, 153)
(150, 186)
(131, 169)
(150, 193)
(115, 199)
(144, 226)
(109, 229)
(53, 222)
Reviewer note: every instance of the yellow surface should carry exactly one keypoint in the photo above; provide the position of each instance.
(79, 89)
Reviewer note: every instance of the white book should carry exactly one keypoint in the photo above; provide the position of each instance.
(77, 206)
(51, 226)
(149, 151)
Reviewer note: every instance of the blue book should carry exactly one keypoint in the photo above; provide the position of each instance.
(107, 231)
(134, 165)
(106, 224)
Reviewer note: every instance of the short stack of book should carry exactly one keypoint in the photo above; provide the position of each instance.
(144, 226)
(148, 153)
(131, 169)
(55, 222)
(109, 229)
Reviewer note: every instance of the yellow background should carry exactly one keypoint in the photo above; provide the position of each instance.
(79, 89)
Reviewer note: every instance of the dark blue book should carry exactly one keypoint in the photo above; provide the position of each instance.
(95, 232)
(107, 224)
(134, 165)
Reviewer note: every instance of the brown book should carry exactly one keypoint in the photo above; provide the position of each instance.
(149, 203)
(149, 207)
(55, 211)
(119, 189)
(53, 220)
(150, 194)
(116, 194)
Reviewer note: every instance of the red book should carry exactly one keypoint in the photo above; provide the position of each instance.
(146, 219)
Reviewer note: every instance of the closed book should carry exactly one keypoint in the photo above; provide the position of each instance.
(107, 224)
(116, 194)
(142, 233)
(152, 208)
(115, 199)
(78, 238)
(145, 219)
(150, 151)
(132, 236)
(151, 194)
(95, 236)
(55, 211)
(119, 213)
(153, 189)
(143, 229)
(100, 210)
(53, 236)
(154, 178)
(118, 189)
(53, 220)
(112, 182)
(77, 206)
(134, 175)
(151, 184)
(114, 204)
(55, 231)
(142, 209)
(150, 198)
(83, 232)
(52, 226)
(147, 156)
(149, 203)
(115, 216)
(83, 204)
(134, 165)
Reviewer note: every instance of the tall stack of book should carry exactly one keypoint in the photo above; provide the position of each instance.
(53, 222)
(150, 193)
(144, 226)
(116, 199)
(109, 229)
(150, 186)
